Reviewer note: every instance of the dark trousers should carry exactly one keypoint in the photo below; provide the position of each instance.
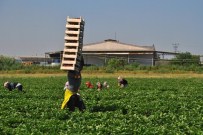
(20, 88)
(75, 101)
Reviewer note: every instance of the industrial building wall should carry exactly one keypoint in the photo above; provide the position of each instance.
(146, 59)
(93, 60)
(100, 60)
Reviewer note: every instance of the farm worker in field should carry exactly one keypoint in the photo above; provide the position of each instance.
(99, 86)
(89, 85)
(72, 98)
(122, 82)
(105, 85)
(13, 85)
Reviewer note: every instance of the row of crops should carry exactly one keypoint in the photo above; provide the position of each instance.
(147, 106)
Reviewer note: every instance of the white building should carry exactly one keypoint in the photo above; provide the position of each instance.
(99, 53)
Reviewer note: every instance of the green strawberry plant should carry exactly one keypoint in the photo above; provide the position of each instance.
(146, 106)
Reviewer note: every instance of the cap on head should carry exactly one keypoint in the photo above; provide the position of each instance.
(5, 84)
(67, 83)
(98, 83)
(88, 83)
(119, 78)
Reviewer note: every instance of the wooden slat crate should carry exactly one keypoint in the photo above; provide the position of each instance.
(73, 44)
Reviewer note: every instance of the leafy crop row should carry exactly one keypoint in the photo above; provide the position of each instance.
(147, 106)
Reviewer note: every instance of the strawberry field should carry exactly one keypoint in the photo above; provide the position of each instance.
(146, 106)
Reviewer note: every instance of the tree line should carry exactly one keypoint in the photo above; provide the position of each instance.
(182, 61)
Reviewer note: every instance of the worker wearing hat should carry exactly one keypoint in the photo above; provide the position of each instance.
(89, 85)
(13, 85)
(122, 82)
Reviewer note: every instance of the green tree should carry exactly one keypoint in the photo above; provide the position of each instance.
(186, 59)
(115, 64)
(8, 63)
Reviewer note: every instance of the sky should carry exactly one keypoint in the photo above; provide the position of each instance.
(33, 27)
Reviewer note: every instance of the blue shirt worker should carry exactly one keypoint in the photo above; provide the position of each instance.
(13, 85)
(72, 98)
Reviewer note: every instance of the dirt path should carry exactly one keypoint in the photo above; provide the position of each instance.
(107, 75)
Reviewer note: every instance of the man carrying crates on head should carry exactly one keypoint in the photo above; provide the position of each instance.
(73, 62)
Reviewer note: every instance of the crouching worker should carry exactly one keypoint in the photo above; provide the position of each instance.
(105, 85)
(89, 85)
(122, 82)
(72, 98)
(13, 85)
(99, 86)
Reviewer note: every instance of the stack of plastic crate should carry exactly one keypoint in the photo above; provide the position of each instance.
(72, 53)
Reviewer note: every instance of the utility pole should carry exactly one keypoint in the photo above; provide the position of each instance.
(175, 46)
